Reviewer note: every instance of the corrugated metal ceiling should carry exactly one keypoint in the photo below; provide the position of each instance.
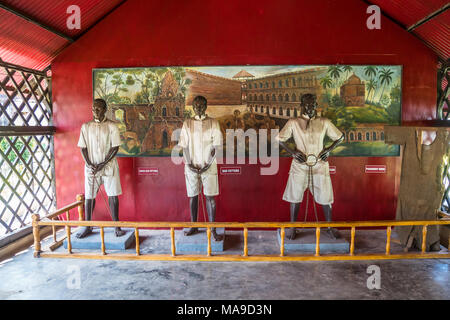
(435, 32)
(35, 44)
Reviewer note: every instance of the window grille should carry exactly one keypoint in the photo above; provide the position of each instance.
(443, 114)
(26, 147)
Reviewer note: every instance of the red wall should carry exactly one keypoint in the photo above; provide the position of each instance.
(235, 32)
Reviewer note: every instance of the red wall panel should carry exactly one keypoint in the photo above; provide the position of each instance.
(156, 33)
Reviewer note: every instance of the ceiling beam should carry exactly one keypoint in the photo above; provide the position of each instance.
(35, 22)
(429, 17)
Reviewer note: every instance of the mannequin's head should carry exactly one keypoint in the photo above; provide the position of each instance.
(309, 105)
(199, 104)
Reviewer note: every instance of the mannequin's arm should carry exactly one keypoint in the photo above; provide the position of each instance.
(298, 155)
(212, 156)
(111, 154)
(188, 161)
(325, 153)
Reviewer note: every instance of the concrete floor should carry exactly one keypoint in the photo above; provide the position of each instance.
(25, 277)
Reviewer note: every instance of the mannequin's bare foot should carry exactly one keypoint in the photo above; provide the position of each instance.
(333, 233)
(291, 233)
(119, 232)
(83, 232)
(217, 237)
(191, 231)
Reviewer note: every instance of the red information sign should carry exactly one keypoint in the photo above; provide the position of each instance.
(332, 169)
(230, 170)
(376, 169)
(148, 171)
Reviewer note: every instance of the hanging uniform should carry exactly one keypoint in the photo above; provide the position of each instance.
(200, 136)
(421, 187)
(99, 138)
(308, 135)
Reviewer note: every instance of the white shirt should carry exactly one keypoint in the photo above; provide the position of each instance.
(99, 138)
(200, 136)
(309, 140)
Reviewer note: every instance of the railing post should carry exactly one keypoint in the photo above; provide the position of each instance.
(102, 237)
(69, 243)
(424, 238)
(172, 241)
(282, 233)
(80, 197)
(317, 241)
(352, 241)
(37, 238)
(136, 235)
(388, 240)
(54, 231)
(208, 234)
(245, 242)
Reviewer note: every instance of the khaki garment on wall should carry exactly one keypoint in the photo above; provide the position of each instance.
(421, 187)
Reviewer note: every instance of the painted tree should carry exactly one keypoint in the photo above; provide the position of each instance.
(370, 86)
(347, 70)
(385, 79)
(109, 84)
(335, 73)
(326, 82)
(371, 73)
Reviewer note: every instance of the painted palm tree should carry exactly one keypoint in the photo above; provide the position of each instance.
(335, 73)
(326, 82)
(370, 71)
(385, 79)
(370, 86)
(347, 70)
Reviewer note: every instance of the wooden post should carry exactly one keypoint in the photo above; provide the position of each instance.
(37, 239)
(424, 238)
(317, 241)
(80, 197)
(68, 215)
(208, 234)
(352, 242)
(102, 237)
(388, 240)
(136, 235)
(282, 233)
(245, 242)
(54, 232)
(172, 241)
(69, 243)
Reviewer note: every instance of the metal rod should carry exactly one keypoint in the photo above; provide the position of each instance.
(282, 233)
(428, 17)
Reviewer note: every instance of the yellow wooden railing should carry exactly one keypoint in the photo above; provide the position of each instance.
(50, 220)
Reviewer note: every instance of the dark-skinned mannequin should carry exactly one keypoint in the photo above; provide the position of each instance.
(98, 112)
(200, 112)
(309, 110)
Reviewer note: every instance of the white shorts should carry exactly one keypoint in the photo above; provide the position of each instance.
(111, 183)
(194, 183)
(298, 183)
